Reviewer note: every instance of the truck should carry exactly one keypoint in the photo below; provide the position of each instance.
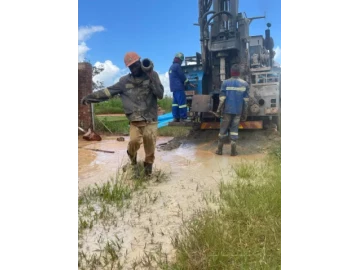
(225, 40)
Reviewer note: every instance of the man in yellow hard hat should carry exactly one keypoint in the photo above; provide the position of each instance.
(139, 91)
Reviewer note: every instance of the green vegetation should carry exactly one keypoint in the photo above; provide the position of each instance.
(114, 105)
(165, 104)
(112, 124)
(101, 205)
(174, 131)
(119, 124)
(245, 232)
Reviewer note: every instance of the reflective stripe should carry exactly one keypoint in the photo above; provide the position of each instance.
(175, 105)
(234, 133)
(222, 98)
(222, 135)
(242, 88)
(129, 85)
(107, 92)
(182, 106)
(186, 81)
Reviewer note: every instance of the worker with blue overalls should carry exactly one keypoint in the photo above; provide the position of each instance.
(234, 92)
(178, 81)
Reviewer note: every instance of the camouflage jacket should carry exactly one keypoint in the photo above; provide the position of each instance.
(138, 94)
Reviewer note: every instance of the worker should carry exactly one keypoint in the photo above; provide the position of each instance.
(139, 91)
(234, 92)
(178, 81)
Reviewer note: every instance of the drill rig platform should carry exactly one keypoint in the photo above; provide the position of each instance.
(225, 40)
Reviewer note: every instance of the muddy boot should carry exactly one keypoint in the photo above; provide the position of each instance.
(148, 168)
(132, 159)
(233, 148)
(220, 147)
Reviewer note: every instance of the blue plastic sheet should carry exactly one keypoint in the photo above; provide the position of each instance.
(164, 119)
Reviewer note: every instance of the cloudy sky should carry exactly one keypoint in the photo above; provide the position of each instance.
(107, 32)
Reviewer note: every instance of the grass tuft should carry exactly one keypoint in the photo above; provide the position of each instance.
(244, 232)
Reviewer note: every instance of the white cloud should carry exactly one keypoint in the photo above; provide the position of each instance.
(82, 51)
(164, 78)
(277, 53)
(111, 73)
(85, 33)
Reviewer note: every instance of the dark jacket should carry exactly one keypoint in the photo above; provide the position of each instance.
(177, 78)
(139, 96)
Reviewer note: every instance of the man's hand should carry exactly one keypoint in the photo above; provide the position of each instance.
(84, 101)
(217, 114)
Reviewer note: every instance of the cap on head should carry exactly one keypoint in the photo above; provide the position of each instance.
(235, 70)
(130, 58)
(180, 56)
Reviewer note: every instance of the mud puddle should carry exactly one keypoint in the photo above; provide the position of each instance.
(158, 212)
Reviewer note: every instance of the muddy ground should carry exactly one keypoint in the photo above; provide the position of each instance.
(157, 213)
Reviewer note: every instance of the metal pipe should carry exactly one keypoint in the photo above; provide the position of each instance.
(215, 15)
(222, 68)
(92, 116)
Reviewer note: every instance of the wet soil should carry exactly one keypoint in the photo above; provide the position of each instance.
(194, 172)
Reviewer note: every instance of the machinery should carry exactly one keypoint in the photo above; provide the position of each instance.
(225, 40)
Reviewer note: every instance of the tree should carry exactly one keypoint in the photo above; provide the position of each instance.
(98, 84)
(95, 71)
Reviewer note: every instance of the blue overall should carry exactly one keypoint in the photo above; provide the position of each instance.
(178, 81)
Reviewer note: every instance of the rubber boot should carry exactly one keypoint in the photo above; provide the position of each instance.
(135, 168)
(220, 147)
(148, 168)
(132, 159)
(233, 148)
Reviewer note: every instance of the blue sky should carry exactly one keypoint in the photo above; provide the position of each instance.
(156, 29)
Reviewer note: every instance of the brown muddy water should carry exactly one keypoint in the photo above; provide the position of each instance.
(194, 172)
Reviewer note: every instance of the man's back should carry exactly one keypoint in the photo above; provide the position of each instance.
(235, 90)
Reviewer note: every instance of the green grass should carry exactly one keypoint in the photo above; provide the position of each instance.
(115, 105)
(165, 104)
(113, 124)
(112, 118)
(174, 131)
(245, 232)
(101, 204)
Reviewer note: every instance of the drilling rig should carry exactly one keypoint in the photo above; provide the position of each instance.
(225, 40)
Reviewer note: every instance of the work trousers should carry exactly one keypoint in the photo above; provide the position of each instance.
(229, 121)
(142, 132)
(179, 108)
